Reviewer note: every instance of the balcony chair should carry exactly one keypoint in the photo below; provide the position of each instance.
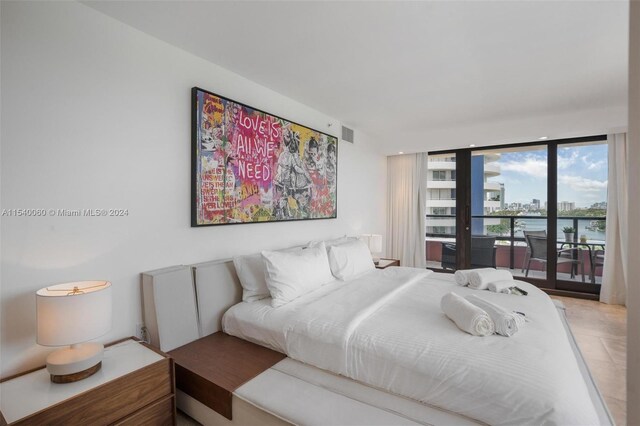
(527, 254)
(538, 247)
(483, 253)
(596, 261)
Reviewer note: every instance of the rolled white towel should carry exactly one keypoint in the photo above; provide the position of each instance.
(466, 315)
(501, 286)
(506, 323)
(480, 279)
(462, 276)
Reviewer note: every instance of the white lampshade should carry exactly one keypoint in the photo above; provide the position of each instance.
(72, 314)
(374, 241)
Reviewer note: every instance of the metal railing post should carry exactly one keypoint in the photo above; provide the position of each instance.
(512, 221)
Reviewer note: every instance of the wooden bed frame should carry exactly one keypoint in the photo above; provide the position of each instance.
(184, 320)
(183, 308)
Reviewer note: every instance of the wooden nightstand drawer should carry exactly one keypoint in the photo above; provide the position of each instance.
(158, 414)
(135, 382)
(111, 401)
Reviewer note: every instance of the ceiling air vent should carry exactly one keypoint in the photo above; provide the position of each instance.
(347, 134)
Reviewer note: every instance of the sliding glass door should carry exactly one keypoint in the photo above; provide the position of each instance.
(508, 207)
(581, 215)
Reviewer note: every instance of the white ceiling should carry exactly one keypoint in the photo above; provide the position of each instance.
(417, 75)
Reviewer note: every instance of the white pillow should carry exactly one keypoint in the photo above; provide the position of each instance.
(350, 259)
(289, 275)
(250, 270)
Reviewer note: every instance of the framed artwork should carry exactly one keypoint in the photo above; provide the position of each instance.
(249, 166)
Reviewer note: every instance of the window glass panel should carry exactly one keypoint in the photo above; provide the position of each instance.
(582, 211)
(441, 213)
(508, 195)
(440, 175)
(509, 209)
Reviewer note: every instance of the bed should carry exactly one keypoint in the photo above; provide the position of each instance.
(377, 349)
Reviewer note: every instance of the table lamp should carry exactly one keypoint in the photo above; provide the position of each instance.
(374, 241)
(72, 314)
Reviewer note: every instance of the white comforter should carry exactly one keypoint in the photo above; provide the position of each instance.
(386, 329)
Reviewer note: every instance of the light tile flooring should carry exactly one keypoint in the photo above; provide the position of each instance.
(601, 332)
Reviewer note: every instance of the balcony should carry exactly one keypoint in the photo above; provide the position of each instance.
(491, 169)
(492, 204)
(448, 221)
(492, 186)
(441, 165)
(441, 184)
(441, 203)
(511, 247)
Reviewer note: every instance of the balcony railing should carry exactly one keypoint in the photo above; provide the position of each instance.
(509, 237)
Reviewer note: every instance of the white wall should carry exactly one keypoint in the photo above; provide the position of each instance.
(96, 114)
(633, 271)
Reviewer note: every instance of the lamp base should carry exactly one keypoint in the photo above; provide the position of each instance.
(75, 363)
(70, 378)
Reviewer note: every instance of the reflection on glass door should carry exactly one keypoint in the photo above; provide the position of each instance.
(508, 208)
(441, 211)
(582, 210)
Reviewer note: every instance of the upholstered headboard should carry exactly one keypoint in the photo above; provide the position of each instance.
(183, 303)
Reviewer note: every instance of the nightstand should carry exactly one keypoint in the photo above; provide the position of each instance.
(134, 386)
(385, 263)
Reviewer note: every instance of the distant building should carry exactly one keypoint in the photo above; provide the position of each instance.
(515, 206)
(535, 204)
(502, 203)
(600, 205)
(565, 206)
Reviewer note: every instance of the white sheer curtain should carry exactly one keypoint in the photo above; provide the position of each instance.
(406, 208)
(614, 275)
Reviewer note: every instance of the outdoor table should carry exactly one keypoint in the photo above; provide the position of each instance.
(590, 245)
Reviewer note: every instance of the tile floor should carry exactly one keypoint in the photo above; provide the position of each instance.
(601, 332)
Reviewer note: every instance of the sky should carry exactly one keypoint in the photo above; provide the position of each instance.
(582, 175)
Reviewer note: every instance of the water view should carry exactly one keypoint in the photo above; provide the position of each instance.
(586, 227)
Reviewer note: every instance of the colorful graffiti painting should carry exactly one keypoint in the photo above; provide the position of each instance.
(250, 166)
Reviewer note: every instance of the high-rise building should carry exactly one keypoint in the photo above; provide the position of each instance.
(441, 192)
(535, 204)
(565, 206)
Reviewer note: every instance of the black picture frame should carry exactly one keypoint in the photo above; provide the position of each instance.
(284, 170)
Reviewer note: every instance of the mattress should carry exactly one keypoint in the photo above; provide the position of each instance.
(305, 395)
(386, 330)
